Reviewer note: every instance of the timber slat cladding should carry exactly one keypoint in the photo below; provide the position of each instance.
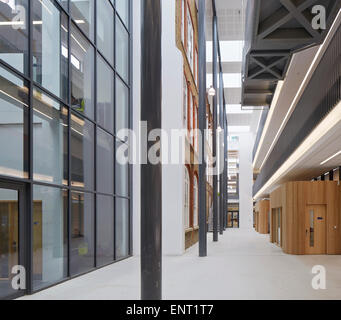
(262, 216)
(310, 216)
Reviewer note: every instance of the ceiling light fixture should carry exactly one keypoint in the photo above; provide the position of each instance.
(211, 91)
(330, 158)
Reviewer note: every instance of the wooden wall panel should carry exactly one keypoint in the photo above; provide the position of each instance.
(293, 198)
(262, 214)
(333, 197)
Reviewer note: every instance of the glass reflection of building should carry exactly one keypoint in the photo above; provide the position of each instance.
(64, 94)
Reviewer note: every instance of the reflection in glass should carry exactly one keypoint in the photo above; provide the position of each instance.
(105, 162)
(82, 233)
(49, 236)
(122, 228)
(105, 229)
(122, 7)
(122, 170)
(64, 4)
(9, 239)
(122, 50)
(82, 153)
(50, 48)
(50, 136)
(13, 123)
(82, 76)
(105, 95)
(82, 12)
(122, 105)
(105, 29)
(14, 34)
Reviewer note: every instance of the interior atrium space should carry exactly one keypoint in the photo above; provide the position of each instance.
(170, 150)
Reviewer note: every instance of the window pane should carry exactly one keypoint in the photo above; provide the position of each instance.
(105, 162)
(105, 95)
(105, 229)
(82, 153)
(105, 29)
(50, 136)
(122, 50)
(122, 106)
(82, 12)
(14, 34)
(122, 7)
(122, 170)
(50, 49)
(49, 236)
(64, 4)
(122, 228)
(13, 119)
(82, 233)
(82, 77)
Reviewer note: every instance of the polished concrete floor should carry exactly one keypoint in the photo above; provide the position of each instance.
(242, 265)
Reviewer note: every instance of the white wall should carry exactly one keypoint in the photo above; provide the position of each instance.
(246, 141)
(172, 175)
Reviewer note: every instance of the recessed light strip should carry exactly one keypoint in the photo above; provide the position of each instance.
(330, 158)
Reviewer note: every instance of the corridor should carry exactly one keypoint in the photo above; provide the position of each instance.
(242, 265)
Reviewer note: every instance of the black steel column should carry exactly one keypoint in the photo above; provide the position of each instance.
(215, 122)
(331, 175)
(225, 165)
(202, 127)
(151, 175)
(323, 177)
(339, 173)
(221, 150)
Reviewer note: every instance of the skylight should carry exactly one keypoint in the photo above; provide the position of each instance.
(231, 80)
(231, 51)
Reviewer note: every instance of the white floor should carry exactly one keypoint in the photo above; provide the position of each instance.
(242, 265)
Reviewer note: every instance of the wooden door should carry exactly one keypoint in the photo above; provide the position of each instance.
(9, 238)
(315, 242)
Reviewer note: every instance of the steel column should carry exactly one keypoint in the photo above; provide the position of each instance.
(151, 175)
(215, 122)
(202, 128)
(221, 149)
(331, 175)
(225, 165)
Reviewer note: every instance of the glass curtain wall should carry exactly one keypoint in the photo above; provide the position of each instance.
(64, 95)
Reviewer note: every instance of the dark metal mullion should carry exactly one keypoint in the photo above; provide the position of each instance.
(130, 115)
(114, 146)
(214, 75)
(202, 128)
(5, 65)
(69, 151)
(29, 193)
(95, 135)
